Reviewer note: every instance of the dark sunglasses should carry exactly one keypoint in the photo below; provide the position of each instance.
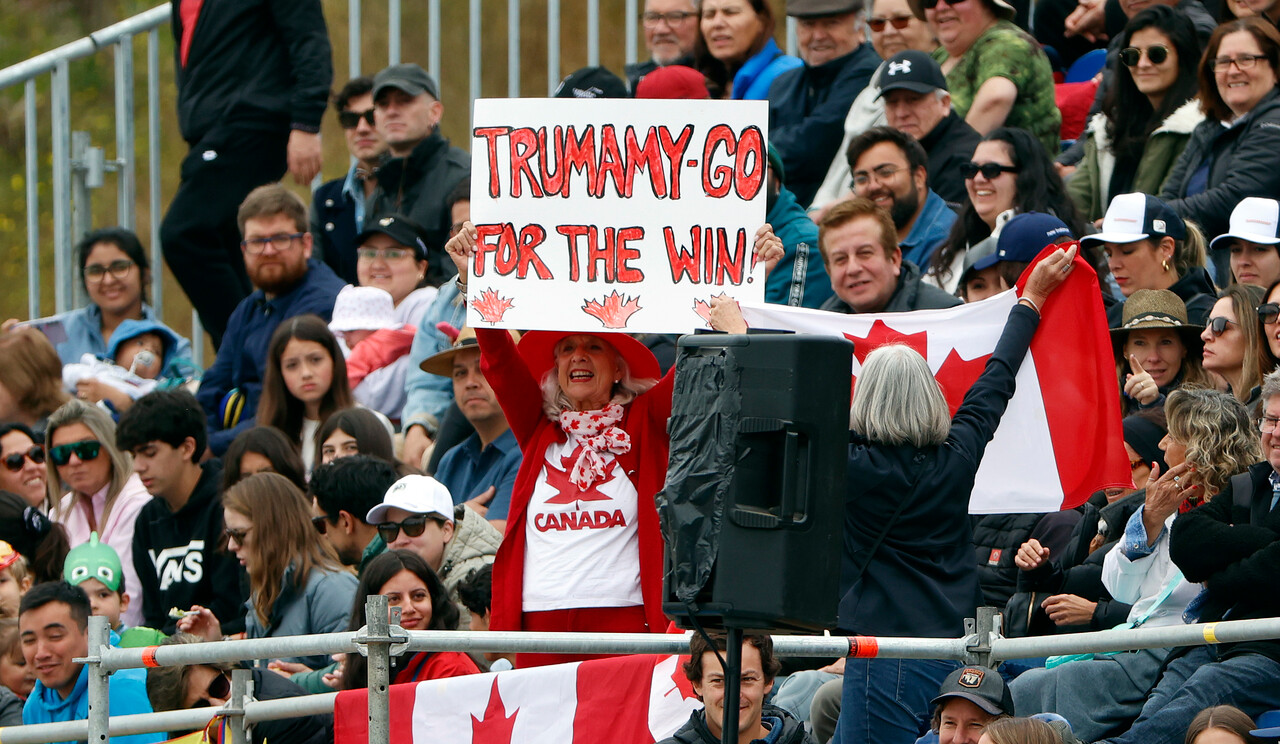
(1135, 464)
(989, 171)
(219, 689)
(237, 535)
(1267, 313)
(898, 22)
(351, 119)
(86, 450)
(321, 523)
(413, 527)
(15, 461)
(1218, 326)
(1131, 56)
(931, 4)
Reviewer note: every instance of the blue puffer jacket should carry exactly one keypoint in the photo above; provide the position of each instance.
(752, 81)
(324, 606)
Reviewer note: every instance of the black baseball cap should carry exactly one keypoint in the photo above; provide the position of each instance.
(399, 228)
(912, 70)
(409, 78)
(981, 686)
(591, 82)
(820, 8)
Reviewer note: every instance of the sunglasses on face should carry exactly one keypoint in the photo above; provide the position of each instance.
(237, 535)
(898, 22)
(351, 119)
(219, 689)
(413, 527)
(1136, 465)
(1218, 326)
(86, 450)
(1157, 53)
(321, 523)
(989, 171)
(1268, 313)
(931, 4)
(15, 461)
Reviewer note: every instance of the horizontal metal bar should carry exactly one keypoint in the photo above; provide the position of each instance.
(83, 47)
(114, 659)
(1231, 631)
(274, 710)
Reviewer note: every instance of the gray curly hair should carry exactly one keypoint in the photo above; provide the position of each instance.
(1217, 432)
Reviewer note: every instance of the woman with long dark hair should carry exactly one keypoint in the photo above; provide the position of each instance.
(735, 49)
(1010, 172)
(1148, 113)
(262, 449)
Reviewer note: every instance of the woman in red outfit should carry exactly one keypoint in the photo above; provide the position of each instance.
(410, 584)
(582, 550)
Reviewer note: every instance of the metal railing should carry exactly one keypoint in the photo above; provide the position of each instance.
(383, 638)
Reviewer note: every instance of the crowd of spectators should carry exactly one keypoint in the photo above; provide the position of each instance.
(354, 437)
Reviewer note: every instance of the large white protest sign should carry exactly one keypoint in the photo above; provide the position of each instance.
(614, 214)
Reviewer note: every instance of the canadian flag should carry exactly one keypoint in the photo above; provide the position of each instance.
(621, 700)
(1060, 439)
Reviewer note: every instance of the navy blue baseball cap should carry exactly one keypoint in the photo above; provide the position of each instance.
(1023, 237)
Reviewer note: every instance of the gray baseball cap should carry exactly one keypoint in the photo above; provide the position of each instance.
(409, 78)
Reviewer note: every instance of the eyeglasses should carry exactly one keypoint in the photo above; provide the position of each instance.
(899, 22)
(86, 450)
(673, 18)
(219, 689)
(1243, 62)
(386, 254)
(117, 269)
(989, 171)
(321, 523)
(881, 172)
(351, 119)
(1268, 424)
(1157, 53)
(1218, 326)
(413, 527)
(1268, 313)
(279, 243)
(237, 535)
(15, 461)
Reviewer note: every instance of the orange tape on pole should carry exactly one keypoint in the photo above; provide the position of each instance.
(863, 647)
(149, 656)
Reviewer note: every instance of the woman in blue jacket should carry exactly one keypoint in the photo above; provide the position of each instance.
(735, 49)
(907, 567)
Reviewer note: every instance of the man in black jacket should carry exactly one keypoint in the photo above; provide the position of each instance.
(670, 31)
(1231, 546)
(808, 105)
(423, 168)
(177, 534)
(253, 80)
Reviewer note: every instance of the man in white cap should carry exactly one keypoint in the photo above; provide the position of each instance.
(1251, 242)
(417, 513)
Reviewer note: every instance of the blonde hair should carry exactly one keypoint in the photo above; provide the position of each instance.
(897, 401)
(1217, 432)
(1021, 731)
(19, 570)
(99, 423)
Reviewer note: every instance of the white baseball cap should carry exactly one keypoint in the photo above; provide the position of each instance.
(1254, 219)
(418, 494)
(1134, 217)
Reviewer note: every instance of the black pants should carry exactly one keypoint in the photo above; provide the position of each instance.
(199, 235)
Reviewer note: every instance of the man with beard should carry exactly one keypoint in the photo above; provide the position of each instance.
(890, 169)
(670, 30)
(277, 255)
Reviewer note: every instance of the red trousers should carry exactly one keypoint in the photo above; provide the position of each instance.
(584, 620)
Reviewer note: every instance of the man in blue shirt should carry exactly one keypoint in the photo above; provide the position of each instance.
(53, 621)
(483, 467)
(288, 282)
(891, 169)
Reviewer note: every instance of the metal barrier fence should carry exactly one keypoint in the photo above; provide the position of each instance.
(383, 638)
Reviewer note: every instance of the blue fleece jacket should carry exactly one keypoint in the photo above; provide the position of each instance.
(128, 696)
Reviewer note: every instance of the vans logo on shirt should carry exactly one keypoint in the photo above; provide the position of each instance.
(182, 564)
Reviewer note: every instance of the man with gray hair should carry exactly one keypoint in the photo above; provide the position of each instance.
(808, 105)
(670, 31)
(1231, 546)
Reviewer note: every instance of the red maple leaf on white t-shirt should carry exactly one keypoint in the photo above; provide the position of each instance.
(568, 490)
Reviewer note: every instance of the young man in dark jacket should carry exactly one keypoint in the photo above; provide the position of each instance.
(177, 534)
(757, 722)
(253, 80)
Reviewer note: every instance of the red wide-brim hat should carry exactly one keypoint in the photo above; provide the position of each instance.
(538, 350)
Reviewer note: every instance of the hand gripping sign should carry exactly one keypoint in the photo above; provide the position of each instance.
(614, 214)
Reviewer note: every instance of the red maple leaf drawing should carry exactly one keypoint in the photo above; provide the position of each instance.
(497, 726)
(614, 311)
(957, 375)
(492, 307)
(568, 490)
(703, 309)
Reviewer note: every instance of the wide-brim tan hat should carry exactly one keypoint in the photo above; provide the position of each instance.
(441, 363)
(1002, 9)
(1157, 308)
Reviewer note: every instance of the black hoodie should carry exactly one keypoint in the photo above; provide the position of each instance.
(695, 731)
(180, 561)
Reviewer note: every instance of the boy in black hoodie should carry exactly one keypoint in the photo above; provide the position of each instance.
(177, 534)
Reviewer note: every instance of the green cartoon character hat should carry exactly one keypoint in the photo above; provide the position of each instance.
(93, 560)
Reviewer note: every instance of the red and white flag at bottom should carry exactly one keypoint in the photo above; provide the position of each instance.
(622, 700)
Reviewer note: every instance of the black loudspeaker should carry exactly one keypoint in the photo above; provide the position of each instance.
(753, 507)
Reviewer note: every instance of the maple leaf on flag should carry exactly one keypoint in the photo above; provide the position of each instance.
(880, 334)
(614, 311)
(957, 375)
(497, 726)
(568, 490)
(683, 685)
(492, 307)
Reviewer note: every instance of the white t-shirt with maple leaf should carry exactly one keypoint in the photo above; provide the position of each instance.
(582, 548)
